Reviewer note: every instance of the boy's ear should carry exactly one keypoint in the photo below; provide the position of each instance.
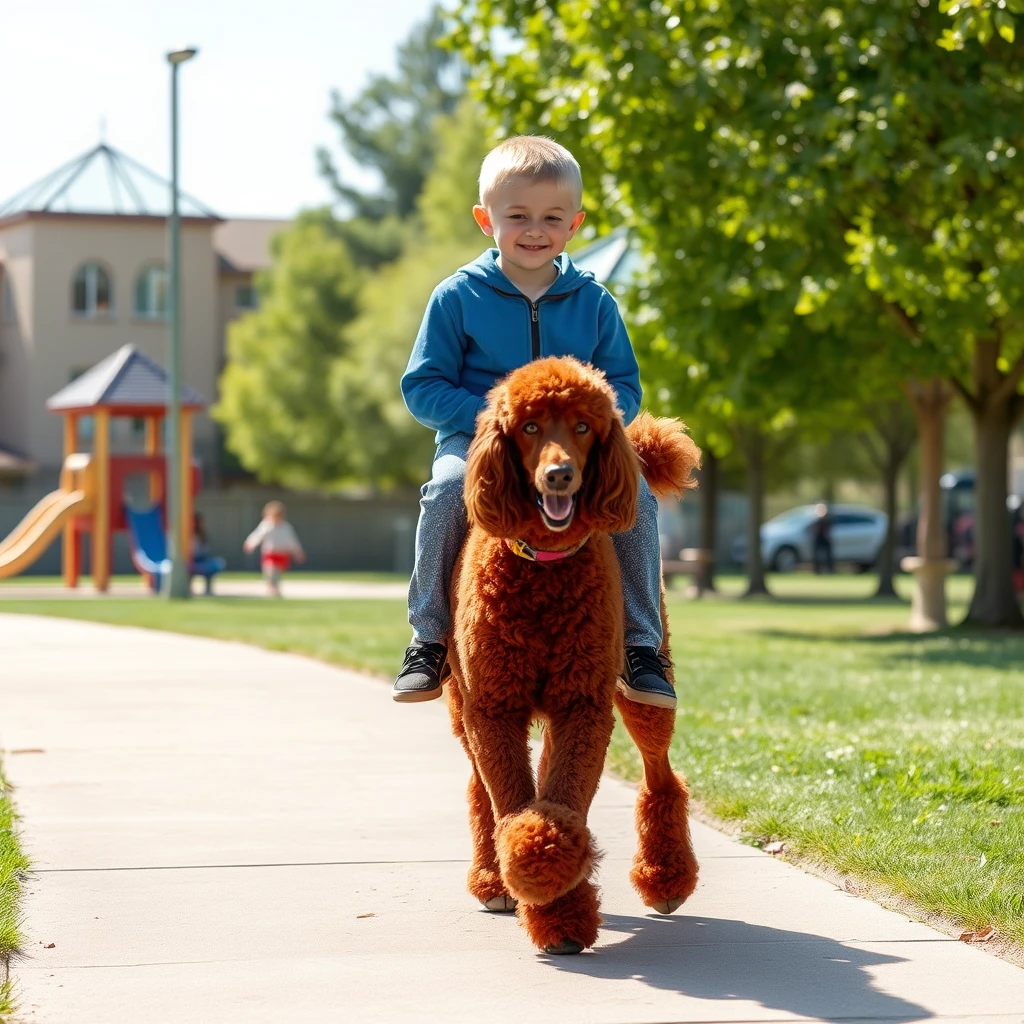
(576, 222)
(483, 219)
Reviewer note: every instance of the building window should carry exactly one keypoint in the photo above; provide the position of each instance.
(152, 298)
(92, 293)
(245, 297)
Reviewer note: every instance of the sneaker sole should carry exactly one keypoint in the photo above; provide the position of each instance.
(416, 696)
(654, 700)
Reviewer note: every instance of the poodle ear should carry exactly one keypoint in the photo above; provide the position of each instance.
(493, 483)
(613, 473)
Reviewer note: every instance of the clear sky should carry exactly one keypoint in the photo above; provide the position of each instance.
(254, 102)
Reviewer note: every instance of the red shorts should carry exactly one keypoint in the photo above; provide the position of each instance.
(276, 560)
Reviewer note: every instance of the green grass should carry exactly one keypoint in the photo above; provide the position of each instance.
(296, 573)
(13, 864)
(811, 719)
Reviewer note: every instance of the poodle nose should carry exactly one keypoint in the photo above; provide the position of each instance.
(559, 477)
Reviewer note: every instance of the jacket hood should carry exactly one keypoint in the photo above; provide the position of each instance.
(485, 268)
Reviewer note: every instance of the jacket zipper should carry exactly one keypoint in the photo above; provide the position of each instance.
(534, 315)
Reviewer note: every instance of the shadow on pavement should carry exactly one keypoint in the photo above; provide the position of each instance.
(720, 959)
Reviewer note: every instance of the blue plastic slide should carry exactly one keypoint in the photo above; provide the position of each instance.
(148, 543)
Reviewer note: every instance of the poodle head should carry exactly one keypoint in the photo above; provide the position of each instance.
(550, 462)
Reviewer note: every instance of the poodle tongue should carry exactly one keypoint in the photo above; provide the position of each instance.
(557, 506)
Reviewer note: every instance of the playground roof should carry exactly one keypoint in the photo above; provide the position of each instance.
(613, 259)
(127, 382)
(103, 181)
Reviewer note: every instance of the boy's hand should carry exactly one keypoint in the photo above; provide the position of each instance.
(300, 557)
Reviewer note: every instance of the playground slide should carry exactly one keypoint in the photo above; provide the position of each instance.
(34, 534)
(148, 543)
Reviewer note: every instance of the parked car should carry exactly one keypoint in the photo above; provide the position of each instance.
(857, 533)
(956, 490)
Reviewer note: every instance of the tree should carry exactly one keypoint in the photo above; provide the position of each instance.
(982, 19)
(389, 128)
(276, 404)
(845, 129)
(310, 395)
(392, 303)
(888, 442)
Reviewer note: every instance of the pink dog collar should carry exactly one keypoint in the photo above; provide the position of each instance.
(523, 550)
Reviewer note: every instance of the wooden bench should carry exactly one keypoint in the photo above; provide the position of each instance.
(691, 562)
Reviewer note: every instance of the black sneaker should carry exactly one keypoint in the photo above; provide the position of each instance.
(423, 670)
(644, 678)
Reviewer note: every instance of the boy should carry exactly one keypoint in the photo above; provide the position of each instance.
(277, 542)
(517, 302)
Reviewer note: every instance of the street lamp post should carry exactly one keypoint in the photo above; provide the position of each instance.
(179, 581)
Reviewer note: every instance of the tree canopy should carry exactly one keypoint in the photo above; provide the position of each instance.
(798, 171)
(388, 129)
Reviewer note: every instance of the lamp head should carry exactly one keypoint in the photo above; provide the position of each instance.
(180, 56)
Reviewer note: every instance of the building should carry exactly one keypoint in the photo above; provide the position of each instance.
(83, 271)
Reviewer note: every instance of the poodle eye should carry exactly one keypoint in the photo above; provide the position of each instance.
(582, 428)
(530, 428)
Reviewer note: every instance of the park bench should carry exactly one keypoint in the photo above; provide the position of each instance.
(691, 562)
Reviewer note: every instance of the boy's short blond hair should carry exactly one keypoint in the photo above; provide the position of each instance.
(534, 158)
(275, 508)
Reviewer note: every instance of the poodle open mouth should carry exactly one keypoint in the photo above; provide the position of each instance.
(556, 510)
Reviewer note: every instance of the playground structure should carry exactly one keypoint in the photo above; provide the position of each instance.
(91, 496)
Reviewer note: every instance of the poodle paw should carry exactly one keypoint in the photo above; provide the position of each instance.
(543, 852)
(565, 947)
(664, 869)
(501, 905)
(667, 906)
(566, 925)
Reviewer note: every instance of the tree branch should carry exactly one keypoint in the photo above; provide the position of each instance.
(906, 323)
(965, 393)
(1008, 385)
(869, 447)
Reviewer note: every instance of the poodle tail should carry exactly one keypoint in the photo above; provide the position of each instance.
(668, 455)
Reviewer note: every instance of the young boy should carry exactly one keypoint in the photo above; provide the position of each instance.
(517, 302)
(278, 544)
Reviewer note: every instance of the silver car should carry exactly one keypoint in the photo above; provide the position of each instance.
(857, 534)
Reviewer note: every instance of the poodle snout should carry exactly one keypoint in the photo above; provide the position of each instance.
(559, 477)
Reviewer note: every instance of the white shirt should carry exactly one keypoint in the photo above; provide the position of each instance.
(276, 538)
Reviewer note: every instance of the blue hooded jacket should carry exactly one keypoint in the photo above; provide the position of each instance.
(478, 327)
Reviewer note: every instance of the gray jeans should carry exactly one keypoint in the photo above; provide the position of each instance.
(443, 525)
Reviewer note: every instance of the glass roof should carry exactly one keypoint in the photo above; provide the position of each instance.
(104, 180)
(614, 259)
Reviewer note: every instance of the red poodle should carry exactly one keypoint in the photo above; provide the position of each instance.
(538, 634)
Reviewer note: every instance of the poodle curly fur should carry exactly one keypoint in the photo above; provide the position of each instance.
(551, 465)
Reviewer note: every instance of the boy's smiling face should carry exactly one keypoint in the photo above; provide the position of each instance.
(531, 223)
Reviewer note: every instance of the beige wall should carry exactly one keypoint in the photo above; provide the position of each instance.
(61, 342)
(16, 335)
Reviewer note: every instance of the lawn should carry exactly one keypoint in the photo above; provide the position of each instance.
(13, 864)
(811, 719)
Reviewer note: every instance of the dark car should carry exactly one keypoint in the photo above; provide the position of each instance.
(957, 496)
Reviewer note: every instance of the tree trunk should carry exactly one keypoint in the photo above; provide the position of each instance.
(931, 566)
(708, 519)
(886, 584)
(995, 408)
(930, 408)
(894, 425)
(752, 442)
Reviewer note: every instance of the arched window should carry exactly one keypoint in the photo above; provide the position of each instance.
(92, 292)
(151, 298)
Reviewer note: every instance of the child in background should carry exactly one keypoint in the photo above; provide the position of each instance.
(278, 544)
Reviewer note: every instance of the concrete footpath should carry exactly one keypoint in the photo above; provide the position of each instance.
(223, 834)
